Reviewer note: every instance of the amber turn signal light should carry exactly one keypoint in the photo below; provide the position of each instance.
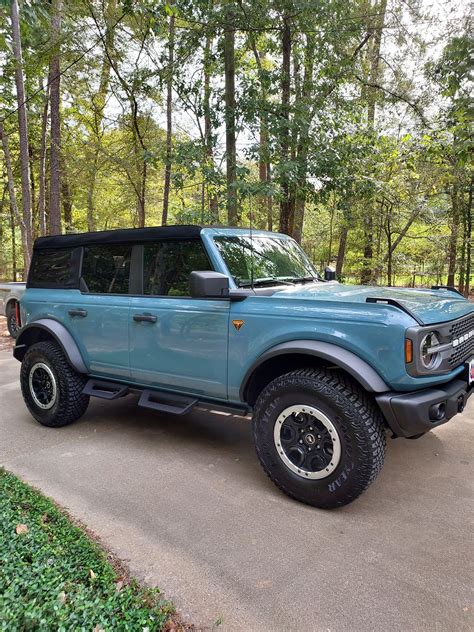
(408, 350)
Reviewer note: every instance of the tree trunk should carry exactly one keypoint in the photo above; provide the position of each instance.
(66, 200)
(264, 166)
(55, 100)
(208, 141)
(302, 146)
(13, 203)
(468, 240)
(98, 105)
(42, 166)
(286, 212)
(230, 140)
(34, 210)
(453, 239)
(375, 25)
(169, 119)
(269, 199)
(263, 170)
(331, 231)
(12, 227)
(23, 131)
(462, 263)
(141, 200)
(341, 253)
(366, 273)
(388, 232)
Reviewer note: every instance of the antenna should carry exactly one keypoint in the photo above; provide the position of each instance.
(251, 241)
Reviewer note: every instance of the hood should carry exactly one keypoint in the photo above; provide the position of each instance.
(429, 306)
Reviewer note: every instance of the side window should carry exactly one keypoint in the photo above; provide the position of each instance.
(52, 268)
(106, 269)
(168, 264)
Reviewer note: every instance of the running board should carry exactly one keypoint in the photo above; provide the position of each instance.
(104, 390)
(166, 402)
(162, 401)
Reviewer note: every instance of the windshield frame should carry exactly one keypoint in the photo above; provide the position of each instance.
(309, 272)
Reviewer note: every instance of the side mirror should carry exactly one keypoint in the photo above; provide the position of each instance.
(329, 274)
(208, 285)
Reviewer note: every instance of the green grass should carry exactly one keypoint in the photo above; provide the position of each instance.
(53, 577)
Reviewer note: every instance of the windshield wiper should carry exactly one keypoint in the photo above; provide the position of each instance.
(306, 279)
(266, 281)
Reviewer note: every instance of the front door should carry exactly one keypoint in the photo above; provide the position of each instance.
(178, 342)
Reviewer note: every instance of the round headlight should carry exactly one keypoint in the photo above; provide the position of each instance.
(429, 360)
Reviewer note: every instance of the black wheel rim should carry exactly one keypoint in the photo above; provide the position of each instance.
(43, 387)
(13, 324)
(307, 441)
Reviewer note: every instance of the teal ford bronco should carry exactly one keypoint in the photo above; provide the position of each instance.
(240, 320)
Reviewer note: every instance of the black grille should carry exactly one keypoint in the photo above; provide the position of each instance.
(459, 328)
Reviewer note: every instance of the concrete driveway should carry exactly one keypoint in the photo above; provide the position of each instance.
(185, 503)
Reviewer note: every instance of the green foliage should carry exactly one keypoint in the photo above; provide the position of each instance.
(53, 577)
(383, 161)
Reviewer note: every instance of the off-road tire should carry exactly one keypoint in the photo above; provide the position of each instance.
(356, 418)
(70, 403)
(12, 324)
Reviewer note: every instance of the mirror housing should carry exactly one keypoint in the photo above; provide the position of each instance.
(329, 274)
(208, 284)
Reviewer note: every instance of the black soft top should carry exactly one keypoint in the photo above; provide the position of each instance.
(119, 236)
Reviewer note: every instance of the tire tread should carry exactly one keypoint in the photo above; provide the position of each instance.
(359, 409)
(72, 403)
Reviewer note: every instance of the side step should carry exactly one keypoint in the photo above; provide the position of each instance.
(166, 402)
(158, 400)
(104, 390)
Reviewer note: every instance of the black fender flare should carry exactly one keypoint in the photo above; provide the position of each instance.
(33, 332)
(362, 372)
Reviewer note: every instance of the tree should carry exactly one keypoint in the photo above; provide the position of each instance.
(169, 119)
(27, 236)
(230, 118)
(55, 103)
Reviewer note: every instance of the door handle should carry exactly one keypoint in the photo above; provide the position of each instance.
(78, 312)
(147, 318)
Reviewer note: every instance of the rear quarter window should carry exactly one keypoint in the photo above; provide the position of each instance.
(56, 268)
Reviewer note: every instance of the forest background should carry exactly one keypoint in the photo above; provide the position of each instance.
(344, 123)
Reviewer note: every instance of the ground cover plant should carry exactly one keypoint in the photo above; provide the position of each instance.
(54, 577)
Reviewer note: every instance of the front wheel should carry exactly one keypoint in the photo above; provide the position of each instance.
(319, 437)
(52, 390)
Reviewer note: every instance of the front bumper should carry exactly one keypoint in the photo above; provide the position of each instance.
(411, 414)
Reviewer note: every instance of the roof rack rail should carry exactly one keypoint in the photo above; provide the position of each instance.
(394, 303)
(447, 287)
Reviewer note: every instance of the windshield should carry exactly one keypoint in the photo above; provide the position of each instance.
(272, 259)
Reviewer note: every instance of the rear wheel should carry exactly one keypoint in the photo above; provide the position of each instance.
(52, 390)
(319, 437)
(12, 321)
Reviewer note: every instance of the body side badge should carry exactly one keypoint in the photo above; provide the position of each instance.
(238, 324)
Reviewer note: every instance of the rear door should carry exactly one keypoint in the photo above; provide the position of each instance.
(99, 319)
(178, 342)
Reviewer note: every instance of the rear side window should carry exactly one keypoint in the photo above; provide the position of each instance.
(168, 264)
(106, 269)
(54, 268)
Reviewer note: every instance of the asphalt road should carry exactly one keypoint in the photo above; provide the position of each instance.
(185, 503)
